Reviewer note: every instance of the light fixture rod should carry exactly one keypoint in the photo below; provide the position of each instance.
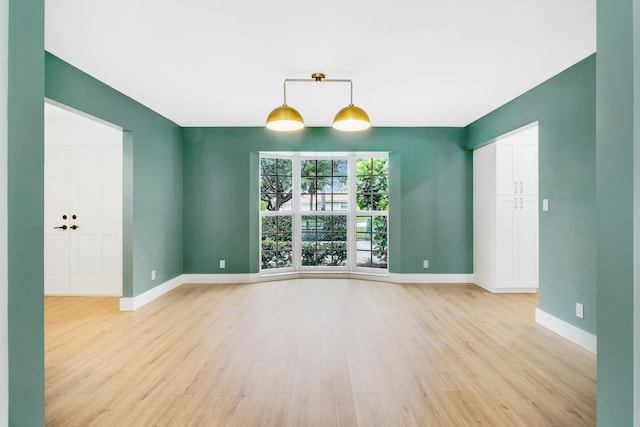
(320, 80)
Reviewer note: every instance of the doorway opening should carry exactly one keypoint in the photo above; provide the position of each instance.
(83, 218)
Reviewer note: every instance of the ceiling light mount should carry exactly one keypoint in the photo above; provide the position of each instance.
(288, 119)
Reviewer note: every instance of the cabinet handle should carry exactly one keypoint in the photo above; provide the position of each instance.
(515, 203)
(515, 187)
(521, 186)
(521, 204)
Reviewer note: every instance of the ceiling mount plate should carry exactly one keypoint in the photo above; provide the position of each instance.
(318, 76)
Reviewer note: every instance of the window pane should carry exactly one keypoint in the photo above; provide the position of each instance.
(308, 222)
(308, 185)
(276, 242)
(269, 224)
(339, 258)
(275, 184)
(284, 259)
(363, 259)
(308, 168)
(267, 165)
(284, 223)
(340, 168)
(380, 202)
(284, 167)
(308, 253)
(372, 184)
(325, 168)
(380, 224)
(268, 259)
(339, 185)
(340, 237)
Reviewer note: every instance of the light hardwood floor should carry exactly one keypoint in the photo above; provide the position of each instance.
(310, 353)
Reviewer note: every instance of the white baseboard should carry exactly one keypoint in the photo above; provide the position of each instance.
(132, 304)
(508, 290)
(431, 278)
(220, 278)
(567, 330)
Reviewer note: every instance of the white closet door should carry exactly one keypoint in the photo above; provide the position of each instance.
(56, 202)
(96, 201)
(527, 179)
(527, 253)
(506, 181)
(506, 229)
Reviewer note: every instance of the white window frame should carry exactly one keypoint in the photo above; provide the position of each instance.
(296, 214)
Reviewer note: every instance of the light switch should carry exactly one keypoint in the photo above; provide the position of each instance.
(545, 205)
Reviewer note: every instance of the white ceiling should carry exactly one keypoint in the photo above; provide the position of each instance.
(413, 63)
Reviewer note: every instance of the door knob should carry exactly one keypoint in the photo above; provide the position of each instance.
(74, 227)
(63, 227)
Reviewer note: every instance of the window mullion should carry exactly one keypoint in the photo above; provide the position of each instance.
(352, 212)
(296, 214)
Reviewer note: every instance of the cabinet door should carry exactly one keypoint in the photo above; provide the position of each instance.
(505, 173)
(527, 242)
(506, 215)
(527, 166)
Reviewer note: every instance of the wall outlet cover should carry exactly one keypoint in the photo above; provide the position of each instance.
(579, 310)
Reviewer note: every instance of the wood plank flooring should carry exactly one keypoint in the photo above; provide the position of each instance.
(313, 353)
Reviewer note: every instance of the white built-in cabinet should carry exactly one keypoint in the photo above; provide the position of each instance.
(505, 213)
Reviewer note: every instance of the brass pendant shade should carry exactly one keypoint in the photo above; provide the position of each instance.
(287, 119)
(351, 119)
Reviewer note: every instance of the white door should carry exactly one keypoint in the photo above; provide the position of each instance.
(506, 229)
(527, 251)
(56, 235)
(83, 206)
(527, 162)
(506, 180)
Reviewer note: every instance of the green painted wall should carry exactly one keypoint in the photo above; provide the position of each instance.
(26, 212)
(618, 196)
(564, 106)
(431, 194)
(153, 176)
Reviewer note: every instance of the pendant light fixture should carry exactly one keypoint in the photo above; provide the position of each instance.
(287, 119)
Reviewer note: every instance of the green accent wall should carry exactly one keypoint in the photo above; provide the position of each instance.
(564, 106)
(618, 196)
(152, 167)
(431, 214)
(25, 206)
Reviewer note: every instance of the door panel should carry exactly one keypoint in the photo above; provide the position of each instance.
(505, 242)
(505, 178)
(528, 167)
(56, 201)
(528, 242)
(96, 199)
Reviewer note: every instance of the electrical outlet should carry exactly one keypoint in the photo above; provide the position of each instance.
(153, 275)
(579, 310)
(222, 263)
(545, 205)
(425, 263)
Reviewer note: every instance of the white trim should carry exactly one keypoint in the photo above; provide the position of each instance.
(431, 278)
(132, 304)
(495, 290)
(221, 278)
(566, 330)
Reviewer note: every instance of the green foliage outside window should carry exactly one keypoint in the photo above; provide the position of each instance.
(373, 195)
